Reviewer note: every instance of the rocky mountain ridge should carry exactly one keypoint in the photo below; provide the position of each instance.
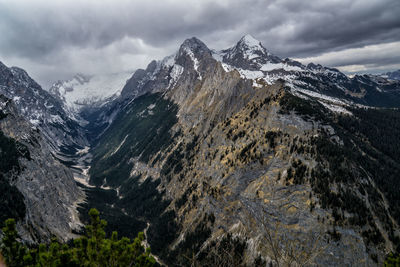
(254, 62)
(237, 157)
(394, 75)
(247, 156)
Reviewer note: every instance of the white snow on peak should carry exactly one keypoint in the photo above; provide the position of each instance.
(273, 66)
(83, 90)
(250, 41)
(217, 55)
(249, 74)
(34, 122)
(169, 61)
(249, 46)
(190, 53)
(175, 73)
(332, 103)
(264, 71)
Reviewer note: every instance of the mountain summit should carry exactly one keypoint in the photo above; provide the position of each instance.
(250, 47)
(248, 54)
(195, 45)
(249, 41)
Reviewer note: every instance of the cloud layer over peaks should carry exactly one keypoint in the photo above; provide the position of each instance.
(54, 39)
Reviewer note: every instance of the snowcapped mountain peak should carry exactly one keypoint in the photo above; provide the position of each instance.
(194, 50)
(194, 44)
(193, 47)
(249, 47)
(247, 54)
(83, 90)
(249, 42)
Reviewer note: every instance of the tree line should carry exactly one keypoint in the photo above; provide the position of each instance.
(90, 250)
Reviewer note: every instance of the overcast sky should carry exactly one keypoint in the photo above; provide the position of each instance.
(54, 39)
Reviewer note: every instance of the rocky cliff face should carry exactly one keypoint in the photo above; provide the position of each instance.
(61, 129)
(234, 150)
(49, 191)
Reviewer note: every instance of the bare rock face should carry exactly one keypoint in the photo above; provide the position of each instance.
(235, 171)
(50, 192)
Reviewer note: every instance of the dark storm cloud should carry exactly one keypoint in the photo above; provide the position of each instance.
(344, 24)
(36, 29)
(54, 39)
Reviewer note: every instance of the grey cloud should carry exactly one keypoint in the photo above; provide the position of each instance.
(309, 27)
(372, 58)
(62, 35)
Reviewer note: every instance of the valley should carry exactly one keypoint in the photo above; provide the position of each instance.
(223, 158)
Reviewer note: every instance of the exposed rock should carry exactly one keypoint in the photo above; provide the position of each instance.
(49, 190)
(59, 128)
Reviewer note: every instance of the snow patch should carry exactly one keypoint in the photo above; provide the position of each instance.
(175, 73)
(334, 104)
(249, 74)
(16, 99)
(250, 41)
(274, 66)
(151, 106)
(168, 61)
(335, 108)
(217, 55)
(56, 118)
(323, 97)
(194, 60)
(82, 151)
(84, 90)
(34, 122)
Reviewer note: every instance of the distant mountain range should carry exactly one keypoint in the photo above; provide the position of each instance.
(395, 75)
(227, 158)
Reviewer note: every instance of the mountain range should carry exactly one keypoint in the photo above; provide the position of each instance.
(223, 158)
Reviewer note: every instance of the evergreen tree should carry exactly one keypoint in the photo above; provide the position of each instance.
(12, 251)
(91, 250)
(392, 260)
